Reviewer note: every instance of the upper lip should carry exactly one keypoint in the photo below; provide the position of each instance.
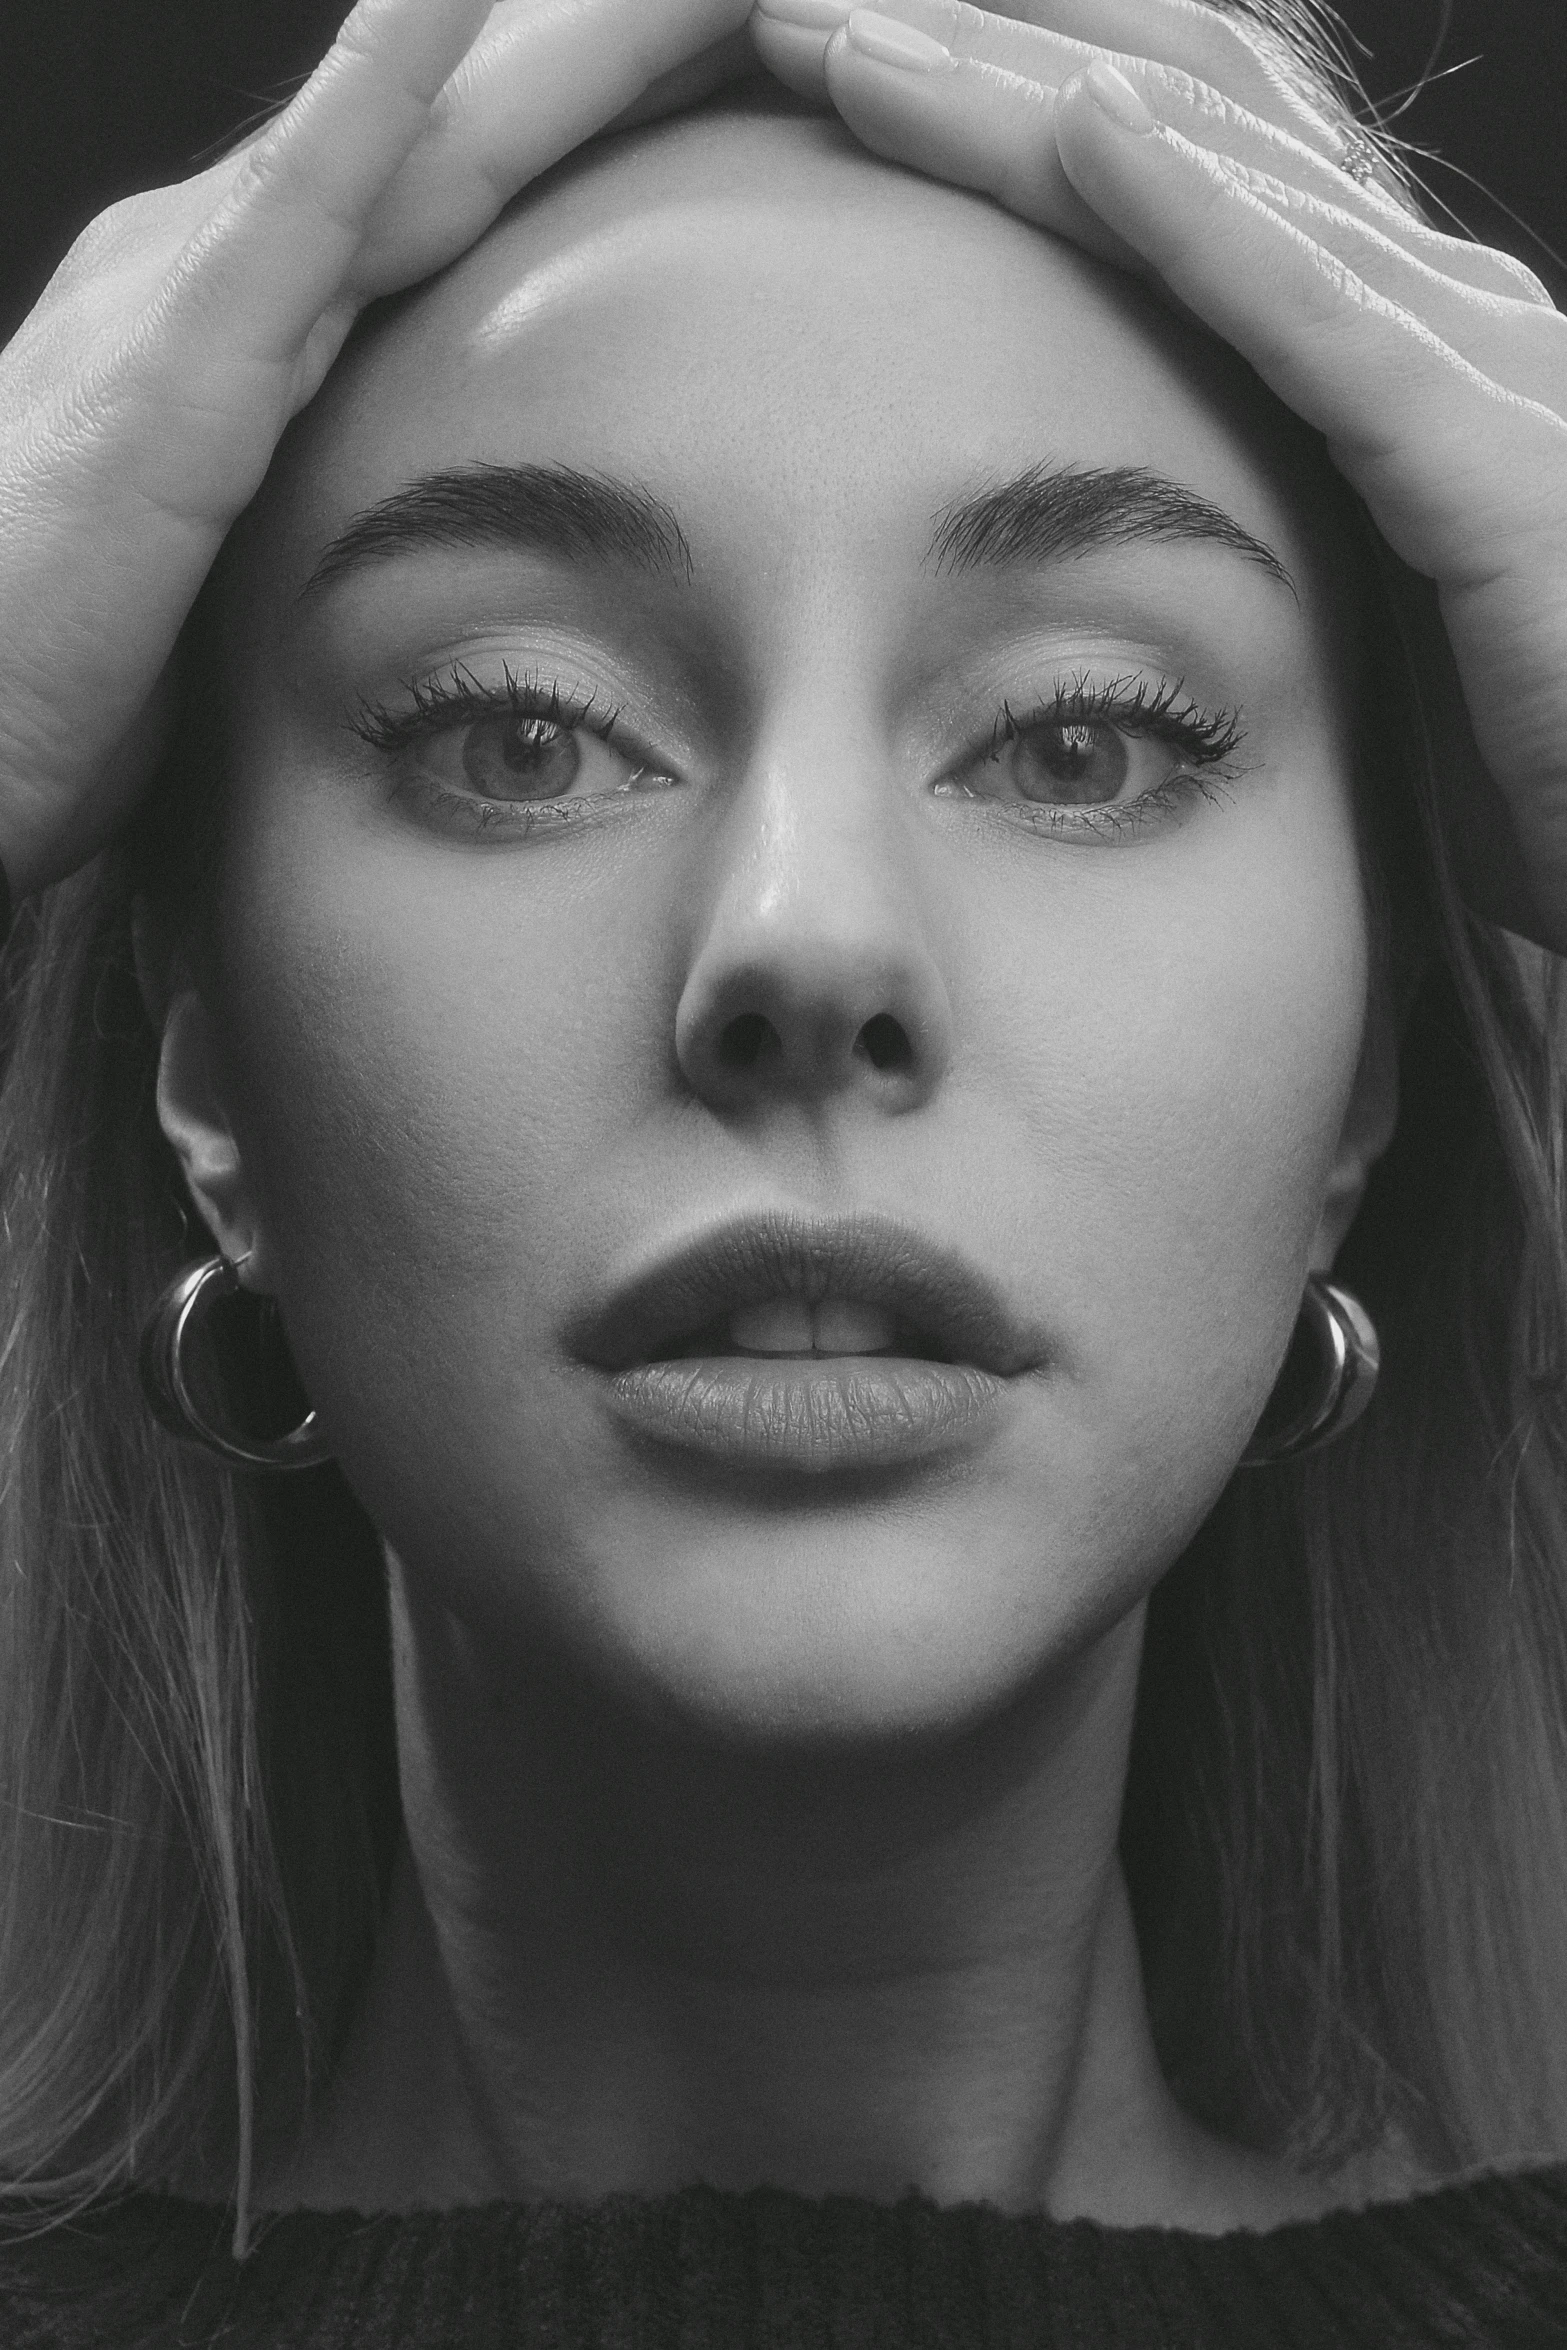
(944, 1306)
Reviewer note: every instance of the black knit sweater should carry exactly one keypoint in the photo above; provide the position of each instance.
(1480, 2264)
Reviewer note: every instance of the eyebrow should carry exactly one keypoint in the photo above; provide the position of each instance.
(552, 508)
(1036, 518)
(1049, 512)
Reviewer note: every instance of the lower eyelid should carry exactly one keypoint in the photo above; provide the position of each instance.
(1166, 798)
(471, 813)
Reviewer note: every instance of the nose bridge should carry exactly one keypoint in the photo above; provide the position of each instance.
(813, 969)
(819, 886)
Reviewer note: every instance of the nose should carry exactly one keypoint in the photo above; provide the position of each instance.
(813, 974)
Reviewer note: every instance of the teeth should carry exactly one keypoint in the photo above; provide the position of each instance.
(843, 1328)
(783, 1326)
(788, 1326)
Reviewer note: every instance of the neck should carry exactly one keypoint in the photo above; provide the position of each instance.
(619, 1957)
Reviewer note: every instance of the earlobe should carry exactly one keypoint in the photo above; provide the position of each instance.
(194, 1118)
(1368, 1129)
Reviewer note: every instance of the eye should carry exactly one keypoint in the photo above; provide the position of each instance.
(1102, 754)
(526, 744)
(1077, 762)
(523, 755)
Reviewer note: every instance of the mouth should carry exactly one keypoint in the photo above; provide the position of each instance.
(784, 1342)
(785, 1288)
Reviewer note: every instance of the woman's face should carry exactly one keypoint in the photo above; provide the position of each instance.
(766, 839)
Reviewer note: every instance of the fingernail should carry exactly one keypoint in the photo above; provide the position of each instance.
(891, 43)
(813, 16)
(1114, 94)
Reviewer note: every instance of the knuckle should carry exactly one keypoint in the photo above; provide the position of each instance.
(355, 44)
(267, 167)
(274, 176)
(1247, 54)
(121, 232)
(1237, 47)
(1210, 104)
(1323, 294)
(1521, 282)
(1317, 290)
(1335, 298)
(105, 233)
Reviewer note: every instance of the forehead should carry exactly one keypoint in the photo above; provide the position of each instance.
(780, 335)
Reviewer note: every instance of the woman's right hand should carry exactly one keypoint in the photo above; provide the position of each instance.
(141, 400)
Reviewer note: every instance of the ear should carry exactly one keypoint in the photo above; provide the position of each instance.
(1368, 1126)
(193, 1115)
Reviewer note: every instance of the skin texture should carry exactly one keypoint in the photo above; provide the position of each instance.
(769, 1835)
(1167, 135)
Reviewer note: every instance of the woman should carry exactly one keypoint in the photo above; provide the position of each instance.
(792, 910)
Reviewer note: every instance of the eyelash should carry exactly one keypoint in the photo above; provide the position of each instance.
(1165, 713)
(439, 703)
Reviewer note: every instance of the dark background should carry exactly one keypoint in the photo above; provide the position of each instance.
(99, 97)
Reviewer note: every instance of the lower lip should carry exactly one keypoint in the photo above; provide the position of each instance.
(810, 1415)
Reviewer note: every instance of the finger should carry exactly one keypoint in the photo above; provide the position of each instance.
(976, 124)
(1406, 416)
(1241, 88)
(1238, 55)
(1026, 38)
(1474, 320)
(539, 81)
(1211, 118)
(1478, 268)
(731, 59)
(792, 37)
(981, 126)
(189, 391)
(281, 240)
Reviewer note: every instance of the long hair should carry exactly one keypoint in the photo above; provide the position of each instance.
(1345, 1830)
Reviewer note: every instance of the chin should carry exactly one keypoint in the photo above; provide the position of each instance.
(810, 1634)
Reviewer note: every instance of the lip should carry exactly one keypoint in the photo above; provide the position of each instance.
(953, 1309)
(658, 1341)
(809, 1416)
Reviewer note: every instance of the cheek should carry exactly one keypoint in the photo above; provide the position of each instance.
(429, 1062)
(1182, 1044)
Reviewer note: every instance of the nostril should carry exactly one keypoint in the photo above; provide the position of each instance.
(747, 1040)
(884, 1042)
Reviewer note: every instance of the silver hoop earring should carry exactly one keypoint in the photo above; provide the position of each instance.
(1349, 1356)
(177, 1318)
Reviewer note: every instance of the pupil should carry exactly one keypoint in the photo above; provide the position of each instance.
(1072, 762)
(520, 758)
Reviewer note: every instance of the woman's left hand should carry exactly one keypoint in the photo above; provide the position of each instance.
(1165, 135)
